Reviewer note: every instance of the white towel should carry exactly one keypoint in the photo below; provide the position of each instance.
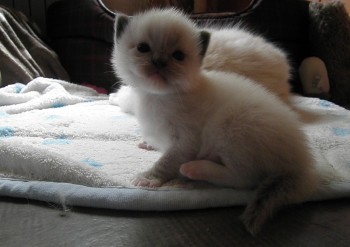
(85, 153)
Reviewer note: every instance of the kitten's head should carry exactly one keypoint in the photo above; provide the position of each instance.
(159, 51)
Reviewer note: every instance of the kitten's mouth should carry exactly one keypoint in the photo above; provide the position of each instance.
(157, 77)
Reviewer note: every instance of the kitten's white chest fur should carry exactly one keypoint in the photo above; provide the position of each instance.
(171, 119)
(157, 127)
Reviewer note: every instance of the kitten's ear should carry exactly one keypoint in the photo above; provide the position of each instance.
(204, 38)
(121, 21)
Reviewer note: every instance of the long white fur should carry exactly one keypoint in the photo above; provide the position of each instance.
(234, 49)
(210, 125)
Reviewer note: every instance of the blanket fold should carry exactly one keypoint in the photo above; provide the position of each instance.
(43, 93)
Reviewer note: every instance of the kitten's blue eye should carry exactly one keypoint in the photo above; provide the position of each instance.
(179, 55)
(143, 47)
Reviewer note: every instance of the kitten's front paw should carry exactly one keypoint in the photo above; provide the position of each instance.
(144, 180)
(146, 146)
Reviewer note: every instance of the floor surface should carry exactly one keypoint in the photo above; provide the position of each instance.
(32, 223)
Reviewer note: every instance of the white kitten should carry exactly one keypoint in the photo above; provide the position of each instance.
(212, 126)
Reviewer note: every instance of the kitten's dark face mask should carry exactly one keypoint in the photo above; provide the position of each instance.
(160, 63)
(164, 57)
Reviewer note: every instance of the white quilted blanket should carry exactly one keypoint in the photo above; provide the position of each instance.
(63, 143)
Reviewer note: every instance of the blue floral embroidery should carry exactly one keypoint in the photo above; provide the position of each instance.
(57, 105)
(341, 132)
(92, 162)
(6, 132)
(4, 114)
(325, 103)
(19, 87)
(60, 140)
(53, 117)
